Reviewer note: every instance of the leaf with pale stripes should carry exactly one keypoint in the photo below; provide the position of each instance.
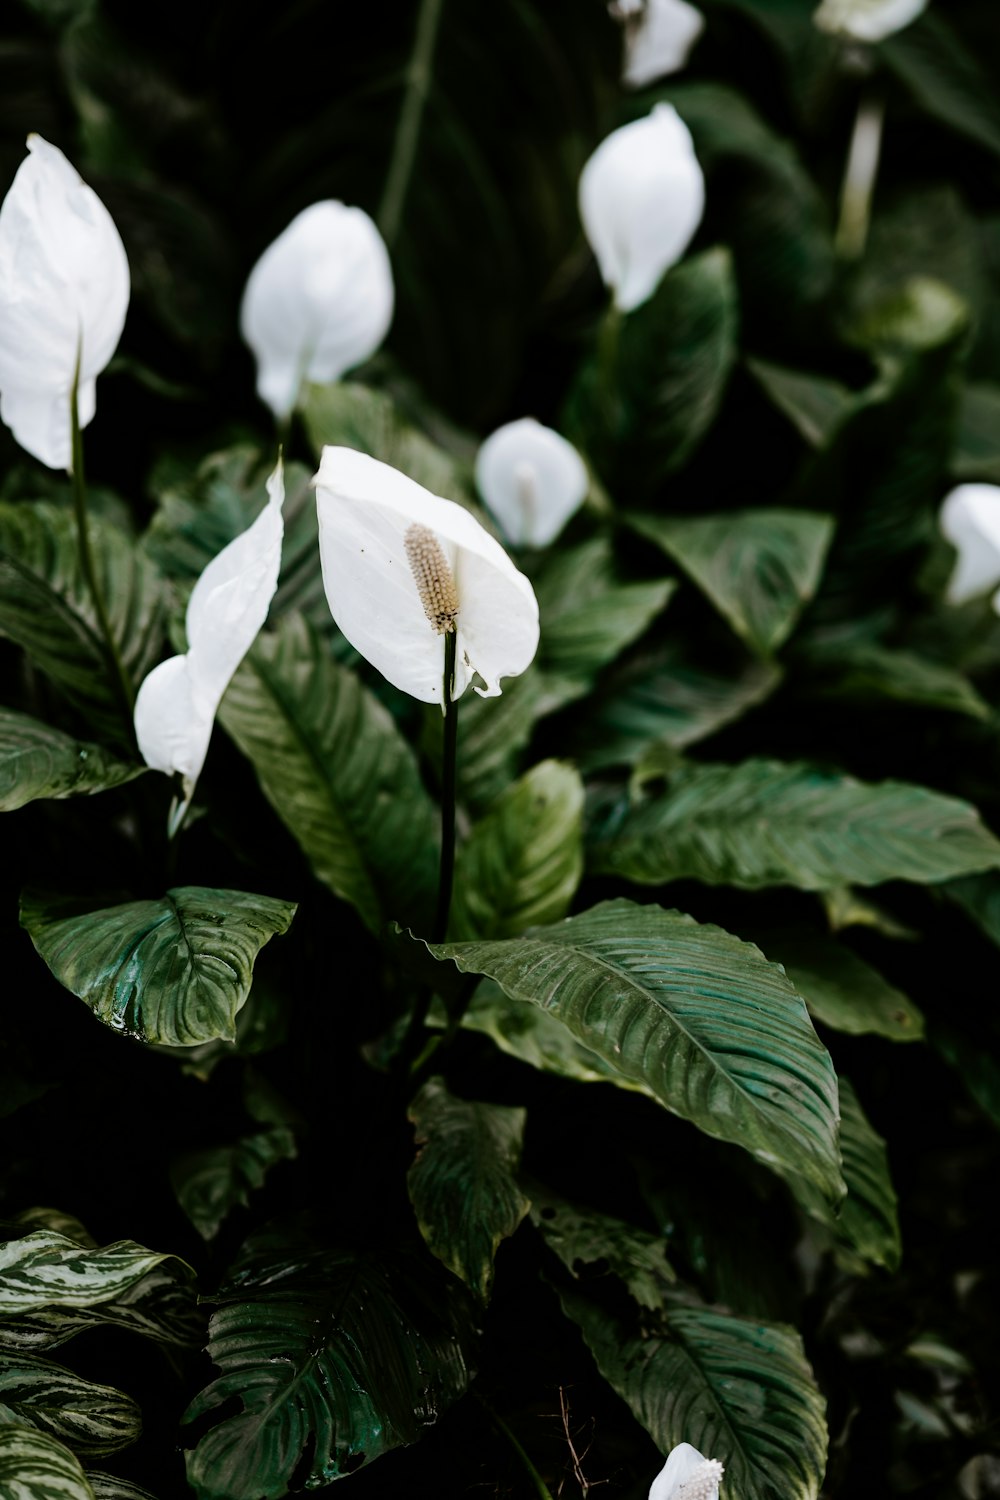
(34, 1466)
(45, 1269)
(92, 1420)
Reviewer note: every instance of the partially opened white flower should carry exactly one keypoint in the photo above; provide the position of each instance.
(970, 519)
(176, 704)
(532, 479)
(687, 1475)
(318, 302)
(867, 20)
(403, 567)
(659, 36)
(64, 290)
(642, 196)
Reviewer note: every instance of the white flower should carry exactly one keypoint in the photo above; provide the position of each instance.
(318, 302)
(64, 289)
(867, 20)
(659, 36)
(402, 567)
(642, 195)
(532, 479)
(970, 519)
(687, 1475)
(177, 702)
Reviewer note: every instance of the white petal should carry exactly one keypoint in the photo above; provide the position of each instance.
(532, 479)
(659, 42)
(365, 509)
(318, 302)
(642, 196)
(683, 1464)
(64, 288)
(970, 519)
(171, 730)
(867, 20)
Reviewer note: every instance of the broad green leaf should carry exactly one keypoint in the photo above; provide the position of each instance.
(945, 78)
(758, 567)
(588, 616)
(38, 761)
(979, 898)
(92, 1420)
(523, 861)
(697, 1018)
(842, 990)
(976, 454)
(493, 732)
(210, 1183)
(814, 404)
(767, 823)
(737, 1390)
(45, 1270)
(176, 970)
(335, 1358)
(34, 1466)
(112, 1487)
(336, 769)
(463, 1181)
(45, 605)
(584, 1238)
(877, 673)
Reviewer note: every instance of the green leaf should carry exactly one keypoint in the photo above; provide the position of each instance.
(335, 1359)
(160, 1306)
(463, 1181)
(842, 990)
(112, 1487)
(176, 970)
(945, 79)
(522, 863)
(588, 616)
(814, 404)
(877, 673)
(979, 898)
(46, 608)
(701, 1021)
(766, 823)
(38, 761)
(334, 766)
(34, 1466)
(209, 1184)
(758, 567)
(586, 1240)
(976, 453)
(92, 1420)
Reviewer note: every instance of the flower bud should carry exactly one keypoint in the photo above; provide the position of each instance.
(970, 520)
(659, 36)
(532, 479)
(867, 20)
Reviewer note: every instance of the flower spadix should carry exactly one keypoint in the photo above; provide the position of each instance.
(402, 568)
(177, 702)
(970, 519)
(867, 20)
(687, 1475)
(318, 302)
(642, 196)
(64, 290)
(532, 479)
(659, 36)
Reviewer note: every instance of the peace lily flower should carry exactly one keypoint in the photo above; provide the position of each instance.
(402, 568)
(970, 519)
(642, 195)
(177, 702)
(687, 1475)
(867, 20)
(532, 479)
(64, 290)
(318, 302)
(659, 36)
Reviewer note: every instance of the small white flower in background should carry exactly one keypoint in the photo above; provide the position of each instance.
(403, 567)
(659, 36)
(64, 290)
(867, 20)
(687, 1475)
(318, 302)
(642, 196)
(532, 479)
(176, 704)
(970, 519)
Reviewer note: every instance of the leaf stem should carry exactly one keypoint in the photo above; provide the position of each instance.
(538, 1483)
(859, 178)
(404, 147)
(449, 762)
(122, 682)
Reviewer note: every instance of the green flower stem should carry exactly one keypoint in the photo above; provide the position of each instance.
(859, 178)
(404, 148)
(122, 681)
(439, 931)
(538, 1483)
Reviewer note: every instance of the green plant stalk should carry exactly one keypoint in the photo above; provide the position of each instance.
(538, 1483)
(404, 147)
(859, 179)
(449, 762)
(122, 681)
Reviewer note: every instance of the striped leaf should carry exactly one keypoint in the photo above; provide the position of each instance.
(92, 1420)
(34, 1466)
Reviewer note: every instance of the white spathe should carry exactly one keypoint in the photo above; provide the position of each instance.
(687, 1475)
(970, 519)
(318, 302)
(176, 704)
(867, 20)
(365, 510)
(642, 196)
(659, 37)
(64, 290)
(532, 479)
